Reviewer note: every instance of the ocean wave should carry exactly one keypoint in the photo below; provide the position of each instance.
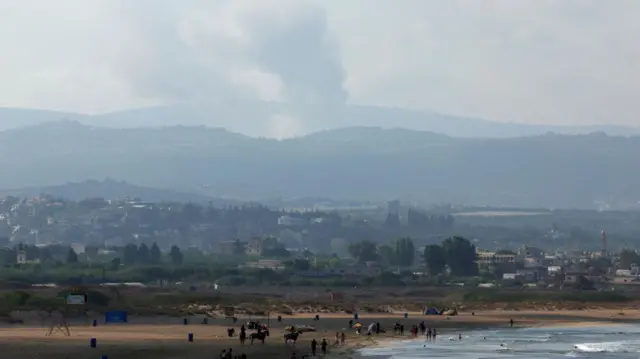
(605, 347)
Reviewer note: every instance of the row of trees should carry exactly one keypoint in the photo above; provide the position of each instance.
(455, 253)
(401, 252)
(142, 254)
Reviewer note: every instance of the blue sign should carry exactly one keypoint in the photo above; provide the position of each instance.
(115, 317)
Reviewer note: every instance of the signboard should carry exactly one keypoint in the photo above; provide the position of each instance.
(77, 299)
(115, 317)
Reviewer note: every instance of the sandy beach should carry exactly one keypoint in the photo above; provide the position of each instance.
(166, 338)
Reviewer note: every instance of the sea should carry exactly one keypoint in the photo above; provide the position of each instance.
(606, 342)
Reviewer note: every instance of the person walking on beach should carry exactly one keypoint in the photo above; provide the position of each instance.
(434, 333)
(511, 322)
(343, 338)
(422, 327)
(429, 333)
(401, 329)
(323, 346)
(314, 346)
(459, 336)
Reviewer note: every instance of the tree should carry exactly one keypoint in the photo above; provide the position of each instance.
(114, 264)
(387, 255)
(72, 256)
(271, 247)
(628, 258)
(364, 251)
(300, 265)
(130, 254)
(461, 256)
(435, 258)
(405, 252)
(176, 255)
(143, 254)
(238, 248)
(155, 255)
(582, 283)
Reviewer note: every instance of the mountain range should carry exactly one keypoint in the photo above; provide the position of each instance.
(359, 163)
(255, 119)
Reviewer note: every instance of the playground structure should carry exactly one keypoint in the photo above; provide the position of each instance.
(59, 323)
(75, 302)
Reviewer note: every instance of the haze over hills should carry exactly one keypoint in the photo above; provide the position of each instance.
(112, 189)
(365, 163)
(257, 119)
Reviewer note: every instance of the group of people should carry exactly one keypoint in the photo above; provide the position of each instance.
(314, 348)
(323, 346)
(430, 333)
(228, 354)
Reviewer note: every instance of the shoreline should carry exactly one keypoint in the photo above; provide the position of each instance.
(544, 322)
(166, 337)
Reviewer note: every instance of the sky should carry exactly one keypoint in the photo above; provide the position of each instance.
(535, 61)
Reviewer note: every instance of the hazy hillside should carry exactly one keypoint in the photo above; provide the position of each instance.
(355, 163)
(111, 189)
(253, 118)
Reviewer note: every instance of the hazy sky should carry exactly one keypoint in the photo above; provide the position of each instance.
(542, 61)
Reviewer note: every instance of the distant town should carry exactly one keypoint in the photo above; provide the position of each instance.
(98, 241)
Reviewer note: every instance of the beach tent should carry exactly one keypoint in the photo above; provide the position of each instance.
(431, 311)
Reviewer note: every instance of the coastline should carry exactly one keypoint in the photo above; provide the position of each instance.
(166, 338)
(524, 319)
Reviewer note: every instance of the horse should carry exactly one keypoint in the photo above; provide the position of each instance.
(257, 336)
(291, 337)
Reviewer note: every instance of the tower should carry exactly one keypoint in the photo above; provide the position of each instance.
(393, 207)
(393, 217)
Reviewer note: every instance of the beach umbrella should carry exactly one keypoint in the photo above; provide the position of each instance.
(357, 325)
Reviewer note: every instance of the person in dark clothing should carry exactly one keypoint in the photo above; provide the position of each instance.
(314, 346)
(511, 322)
(377, 327)
(323, 346)
(434, 333)
(401, 329)
(429, 334)
(423, 327)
